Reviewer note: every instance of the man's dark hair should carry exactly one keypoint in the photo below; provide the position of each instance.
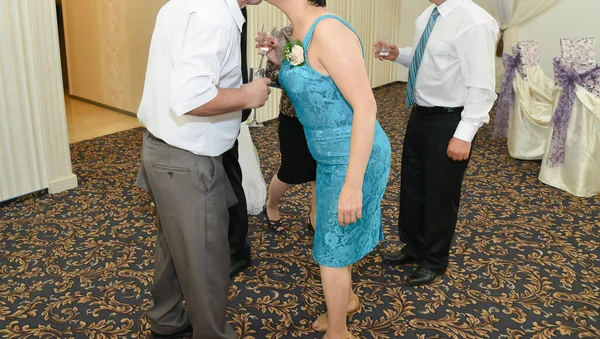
(318, 3)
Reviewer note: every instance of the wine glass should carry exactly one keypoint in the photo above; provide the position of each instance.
(255, 73)
(383, 50)
(264, 46)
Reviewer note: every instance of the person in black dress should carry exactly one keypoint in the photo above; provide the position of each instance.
(297, 164)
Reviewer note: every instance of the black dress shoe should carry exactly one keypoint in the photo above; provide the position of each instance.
(398, 258)
(236, 267)
(423, 276)
(187, 332)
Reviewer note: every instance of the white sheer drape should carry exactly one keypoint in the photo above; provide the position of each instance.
(34, 143)
(505, 11)
(522, 11)
(511, 14)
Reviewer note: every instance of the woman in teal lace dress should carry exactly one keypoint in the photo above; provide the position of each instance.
(334, 102)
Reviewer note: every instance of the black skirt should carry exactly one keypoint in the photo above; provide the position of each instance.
(297, 164)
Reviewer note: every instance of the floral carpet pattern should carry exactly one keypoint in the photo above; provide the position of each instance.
(525, 264)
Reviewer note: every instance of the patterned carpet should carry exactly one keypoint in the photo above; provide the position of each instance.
(525, 264)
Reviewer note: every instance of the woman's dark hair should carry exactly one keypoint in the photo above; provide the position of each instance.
(318, 3)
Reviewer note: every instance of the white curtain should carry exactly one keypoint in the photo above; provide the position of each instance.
(34, 144)
(505, 11)
(514, 13)
(511, 14)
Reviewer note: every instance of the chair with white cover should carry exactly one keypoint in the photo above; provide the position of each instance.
(525, 104)
(578, 48)
(572, 158)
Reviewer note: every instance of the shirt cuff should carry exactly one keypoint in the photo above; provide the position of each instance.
(465, 131)
(200, 100)
(404, 56)
(397, 60)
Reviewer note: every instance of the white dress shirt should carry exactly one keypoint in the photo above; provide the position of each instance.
(458, 66)
(195, 50)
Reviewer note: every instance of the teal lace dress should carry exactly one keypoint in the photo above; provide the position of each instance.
(327, 120)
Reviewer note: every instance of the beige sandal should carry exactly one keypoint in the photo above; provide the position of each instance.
(322, 319)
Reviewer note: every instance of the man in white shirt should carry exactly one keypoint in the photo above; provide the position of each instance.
(451, 89)
(192, 107)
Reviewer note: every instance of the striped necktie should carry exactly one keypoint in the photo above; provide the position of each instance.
(418, 57)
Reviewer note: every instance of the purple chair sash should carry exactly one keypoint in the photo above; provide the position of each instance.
(507, 93)
(567, 79)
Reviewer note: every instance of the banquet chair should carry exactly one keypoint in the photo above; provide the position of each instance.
(572, 157)
(578, 48)
(525, 105)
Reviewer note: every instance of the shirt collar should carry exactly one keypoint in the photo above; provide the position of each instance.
(448, 7)
(236, 12)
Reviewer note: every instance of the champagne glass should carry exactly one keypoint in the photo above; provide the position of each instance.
(264, 47)
(384, 50)
(255, 73)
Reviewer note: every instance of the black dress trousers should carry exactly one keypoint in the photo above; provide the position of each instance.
(430, 187)
(238, 214)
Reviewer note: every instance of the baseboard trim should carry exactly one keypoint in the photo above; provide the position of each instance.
(92, 102)
(389, 84)
(63, 184)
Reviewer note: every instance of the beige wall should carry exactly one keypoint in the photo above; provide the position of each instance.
(567, 19)
(409, 11)
(107, 44)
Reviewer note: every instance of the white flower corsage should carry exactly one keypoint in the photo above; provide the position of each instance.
(293, 52)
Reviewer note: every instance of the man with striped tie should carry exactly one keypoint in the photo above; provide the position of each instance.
(451, 90)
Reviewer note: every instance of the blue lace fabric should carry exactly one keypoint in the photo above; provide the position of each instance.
(327, 120)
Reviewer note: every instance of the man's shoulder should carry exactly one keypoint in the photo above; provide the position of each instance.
(476, 13)
(426, 13)
(206, 10)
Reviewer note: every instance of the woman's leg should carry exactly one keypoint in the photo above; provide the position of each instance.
(277, 189)
(353, 303)
(313, 207)
(336, 284)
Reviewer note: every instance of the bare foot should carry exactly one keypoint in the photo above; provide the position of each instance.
(322, 319)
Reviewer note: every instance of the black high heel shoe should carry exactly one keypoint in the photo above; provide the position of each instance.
(274, 226)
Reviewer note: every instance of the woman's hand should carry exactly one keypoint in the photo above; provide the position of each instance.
(350, 204)
(275, 54)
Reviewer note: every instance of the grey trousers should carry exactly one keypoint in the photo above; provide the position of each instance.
(192, 196)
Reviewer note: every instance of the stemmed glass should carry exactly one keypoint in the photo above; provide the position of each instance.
(255, 73)
(264, 45)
